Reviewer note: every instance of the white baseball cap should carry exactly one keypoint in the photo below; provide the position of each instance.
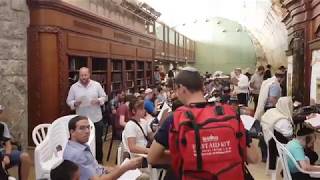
(148, 90)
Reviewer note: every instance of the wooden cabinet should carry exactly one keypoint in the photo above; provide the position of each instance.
(62, 39)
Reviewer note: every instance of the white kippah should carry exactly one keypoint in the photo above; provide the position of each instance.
(192, 69)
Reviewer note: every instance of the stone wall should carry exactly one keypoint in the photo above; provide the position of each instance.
(14, 20)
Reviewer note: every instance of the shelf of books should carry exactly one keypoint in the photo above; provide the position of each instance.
(99, 71)
(129, 76)
(75, 63)
(116, 75)
(140, 80)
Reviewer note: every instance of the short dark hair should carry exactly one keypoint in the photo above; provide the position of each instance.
(72, 123)
(65, 171)
(305, 131)
(190, 78)
(260, 68)
(282, 68)
(268, 66)
(279, 73)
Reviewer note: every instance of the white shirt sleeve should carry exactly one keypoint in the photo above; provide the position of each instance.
(71, 99)
(101, 94)
(243, 82)
(284, 127)
(6, 132)
(131, 130)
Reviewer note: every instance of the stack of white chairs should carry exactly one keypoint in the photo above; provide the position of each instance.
(49, 153)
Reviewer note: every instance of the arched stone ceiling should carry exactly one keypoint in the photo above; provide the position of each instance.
(261, 18)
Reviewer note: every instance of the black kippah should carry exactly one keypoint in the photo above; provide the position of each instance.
(304, 131)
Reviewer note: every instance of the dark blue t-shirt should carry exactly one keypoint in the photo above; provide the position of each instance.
(162, 136)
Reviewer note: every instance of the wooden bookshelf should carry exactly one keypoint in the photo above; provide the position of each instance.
(116, 75)
(149, 75)
(140, 78)
(129, 76)
(99, 71)
(75, 63)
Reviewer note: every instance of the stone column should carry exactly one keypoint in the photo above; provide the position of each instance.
(14, 20)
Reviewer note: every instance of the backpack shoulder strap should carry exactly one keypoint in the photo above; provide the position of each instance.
(137, 123)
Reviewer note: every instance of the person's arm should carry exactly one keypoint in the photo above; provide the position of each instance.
(158, 154)
(252, 81)
(274, 94)
(8, 150)
(134, 148)
(122, 120)
(305, 165)
(71, 98)
(120, 170)
(253, 153)
(122, 116)
(102, 95)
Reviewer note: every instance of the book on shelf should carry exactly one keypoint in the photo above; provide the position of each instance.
(116, 77)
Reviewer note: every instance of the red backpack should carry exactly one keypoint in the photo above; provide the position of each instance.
(208, 143)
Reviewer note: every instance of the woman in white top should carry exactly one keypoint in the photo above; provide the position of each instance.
(137, 132)
(279, 121)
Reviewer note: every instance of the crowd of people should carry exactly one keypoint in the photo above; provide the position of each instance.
(200, 137)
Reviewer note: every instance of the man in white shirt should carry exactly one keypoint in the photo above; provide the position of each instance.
(241, 87)
(255, 84)
(86, 96)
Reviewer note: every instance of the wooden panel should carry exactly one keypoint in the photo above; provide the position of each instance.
(49, 82)
(172, 50)
(144, 53)
(181, 55)
(123, 50)
(79, 23)
(78, 42)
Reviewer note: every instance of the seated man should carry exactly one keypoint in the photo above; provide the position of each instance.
(67, 170)
(11, 157)
(79, 153)
(305, 136)
(148, 103)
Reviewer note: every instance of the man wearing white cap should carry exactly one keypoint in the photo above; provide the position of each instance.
(148, 104)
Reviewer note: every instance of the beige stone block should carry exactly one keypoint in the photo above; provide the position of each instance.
(13, 68)
(15, 102)
(18, 5)
(13, 30)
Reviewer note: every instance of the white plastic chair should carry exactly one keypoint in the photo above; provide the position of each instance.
(39, 133)
(49, 153)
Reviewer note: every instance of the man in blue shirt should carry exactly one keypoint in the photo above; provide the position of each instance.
(305, 136)
(148, 104)
(79, 153)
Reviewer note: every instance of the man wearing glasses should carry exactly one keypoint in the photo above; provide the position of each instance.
(79, 153)
(86, 96)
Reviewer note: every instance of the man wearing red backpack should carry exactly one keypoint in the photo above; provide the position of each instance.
(201, 140)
